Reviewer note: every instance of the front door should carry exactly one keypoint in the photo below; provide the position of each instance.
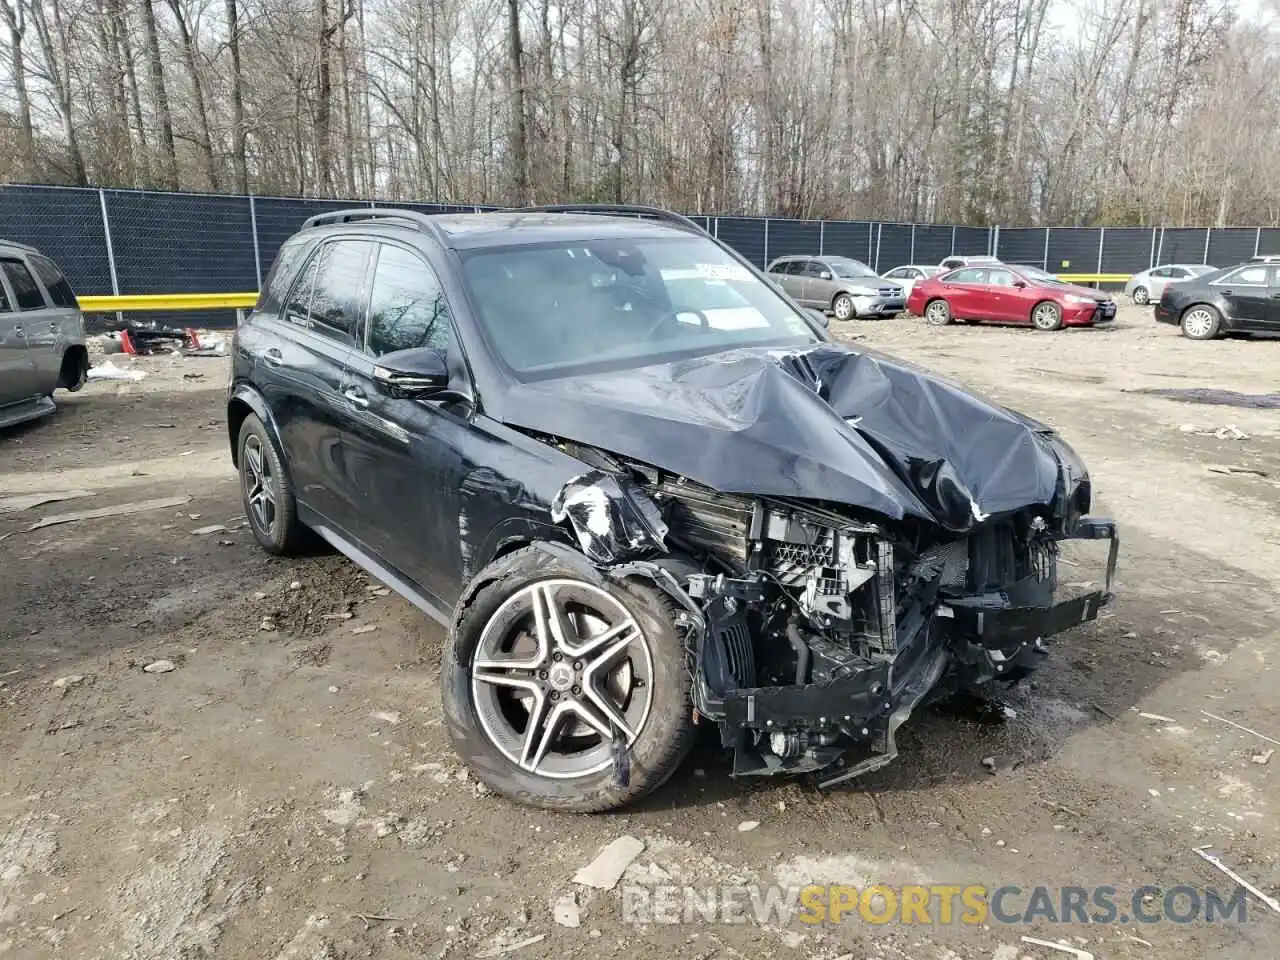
(1005, 300)
(302, 373)
(401, 457)
(818, 289)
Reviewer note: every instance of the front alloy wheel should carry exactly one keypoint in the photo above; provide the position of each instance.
(842, 307)
(564, 690)
(561, 673)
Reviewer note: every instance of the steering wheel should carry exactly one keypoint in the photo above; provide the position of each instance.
(673, 316)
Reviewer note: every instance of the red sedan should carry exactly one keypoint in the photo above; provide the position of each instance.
(1007, 293)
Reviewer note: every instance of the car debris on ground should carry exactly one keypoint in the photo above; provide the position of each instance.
(604, 872)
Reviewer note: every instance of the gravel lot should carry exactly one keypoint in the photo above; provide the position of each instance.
(287, 790)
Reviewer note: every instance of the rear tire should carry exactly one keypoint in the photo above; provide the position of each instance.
(1201, 322)
(1141, 296)
(267, 492)
(566, 763)
(74, 372)
(1046, 316)
(937, 313)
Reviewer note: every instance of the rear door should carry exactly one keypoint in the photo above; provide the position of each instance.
(302, 372)
(402, 456)
(66, 325)
(963, 291)
(787, 273)
(817, 281)
(1248, 291)
(27, 333)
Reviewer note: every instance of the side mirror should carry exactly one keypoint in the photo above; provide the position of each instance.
(411, 374)
(820, 316)
(1019, 283)
(825, 275)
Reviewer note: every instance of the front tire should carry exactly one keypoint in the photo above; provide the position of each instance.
(1046, 316)
(267, 491)
(548, 671)
(842, 307)
(937, 313)
(1201, 322)
(1141, 296)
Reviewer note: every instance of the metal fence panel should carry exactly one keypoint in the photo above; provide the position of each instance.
(1021, 245)
(1180, 245)
(1073, 250)
(1231, 245)
(744, 234)
(893, 246)
(1126, 249)
(1269, 241)
(933, 243)
(972, 241)
(66, 224)
(787, 237)
(279, 218)
(847, 238)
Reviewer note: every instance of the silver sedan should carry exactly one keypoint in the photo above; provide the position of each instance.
(1148, 285)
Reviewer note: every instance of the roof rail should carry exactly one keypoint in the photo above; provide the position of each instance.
(411, 218)
(21, 246)
(606, 209)
(1265, 258)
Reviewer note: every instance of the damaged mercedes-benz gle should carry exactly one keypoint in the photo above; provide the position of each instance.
(646, 493)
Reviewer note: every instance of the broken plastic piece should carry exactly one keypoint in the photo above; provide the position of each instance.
(612, 519)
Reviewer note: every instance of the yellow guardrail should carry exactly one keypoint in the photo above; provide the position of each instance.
(168, 301)
(243, 301)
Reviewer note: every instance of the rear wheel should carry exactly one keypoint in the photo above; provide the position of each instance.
(1046, 315)
(937, 313)
(842, 306)
(1201, 322)
(1141, 296)
(565, 692)
(267, 491)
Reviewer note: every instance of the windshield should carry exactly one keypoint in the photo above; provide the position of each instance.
(848, 269)
(552, 309)
(1038, 275)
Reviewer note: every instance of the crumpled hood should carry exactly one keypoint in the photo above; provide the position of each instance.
(827, 423)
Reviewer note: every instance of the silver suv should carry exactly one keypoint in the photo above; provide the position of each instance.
(41, 334)
(848, 288)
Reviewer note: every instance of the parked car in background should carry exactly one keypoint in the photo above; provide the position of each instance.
(848, 288)
(906, 276)
(1148, 285)
(1240, 299)
(1007, 293)
(643, 490)
(964, 260)
(41, 334)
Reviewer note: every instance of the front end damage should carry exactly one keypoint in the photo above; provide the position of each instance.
(813, 630)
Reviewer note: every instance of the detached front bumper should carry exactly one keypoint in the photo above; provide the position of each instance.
(967, 641)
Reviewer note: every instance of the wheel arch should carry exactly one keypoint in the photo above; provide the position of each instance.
(74, 367)
(243, 400)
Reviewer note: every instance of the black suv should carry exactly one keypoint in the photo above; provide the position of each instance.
(643, 490)
(1240, 299)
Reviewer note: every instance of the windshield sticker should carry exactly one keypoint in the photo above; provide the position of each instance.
(723, 271)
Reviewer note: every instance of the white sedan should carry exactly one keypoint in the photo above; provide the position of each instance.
(906, 276)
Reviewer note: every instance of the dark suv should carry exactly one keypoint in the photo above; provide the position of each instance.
(643, 490)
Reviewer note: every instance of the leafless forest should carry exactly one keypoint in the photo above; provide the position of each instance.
(981, 111)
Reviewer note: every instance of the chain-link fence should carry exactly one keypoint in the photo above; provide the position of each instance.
(140, 242)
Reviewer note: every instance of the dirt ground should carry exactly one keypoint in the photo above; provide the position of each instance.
(287, 791)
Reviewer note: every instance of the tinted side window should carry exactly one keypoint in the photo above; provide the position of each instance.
(407, 307)
(276, 287)
(1247, 277)
(335, 302)
(298, 309)
(783, 268)
(25, 289)
(60, 291)
(1000, 278)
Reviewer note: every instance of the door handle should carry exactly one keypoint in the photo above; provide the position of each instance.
(273, 357)
(356, 396)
